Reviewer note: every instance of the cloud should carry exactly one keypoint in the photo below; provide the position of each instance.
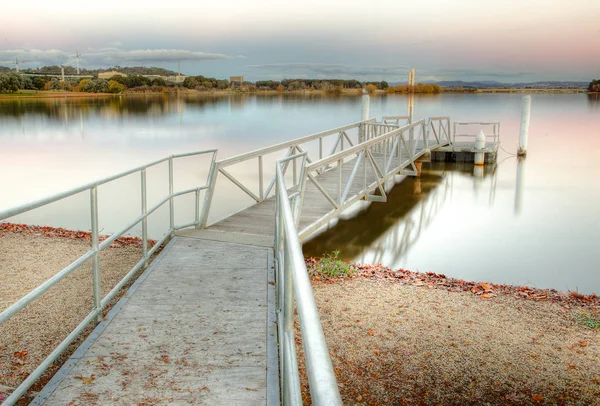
(323, 70)
(106, 56)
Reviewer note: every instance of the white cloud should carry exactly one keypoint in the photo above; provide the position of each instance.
(105, 56)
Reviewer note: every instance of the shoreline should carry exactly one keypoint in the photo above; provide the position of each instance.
(43, 94)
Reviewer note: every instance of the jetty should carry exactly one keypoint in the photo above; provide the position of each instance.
(212, 317)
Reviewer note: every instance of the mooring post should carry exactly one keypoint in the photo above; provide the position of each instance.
(365, 105)
(525, 116)
(480, 145)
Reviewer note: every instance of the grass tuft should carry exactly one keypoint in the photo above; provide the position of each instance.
(331, 266)
(588, 319)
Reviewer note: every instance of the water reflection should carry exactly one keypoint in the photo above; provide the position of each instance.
(593, 101)
(385, 233)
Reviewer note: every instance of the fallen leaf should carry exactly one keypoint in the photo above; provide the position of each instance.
(513, 397)
(572, 367)
(253, 390)
(486, 287)
(487, 296)
(371, 333)
(86, 380)
(583, 344)
(537, 398)
(21, 354)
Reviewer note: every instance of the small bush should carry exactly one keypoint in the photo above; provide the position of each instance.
(331, 266)
(588, 319)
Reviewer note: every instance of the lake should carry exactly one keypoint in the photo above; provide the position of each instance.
(534, 221)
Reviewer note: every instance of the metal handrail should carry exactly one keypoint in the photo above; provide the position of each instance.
(290, 147)
(495, 135)
(93, 254)
(293, 283)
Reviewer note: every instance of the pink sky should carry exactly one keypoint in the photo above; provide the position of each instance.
(506, 40)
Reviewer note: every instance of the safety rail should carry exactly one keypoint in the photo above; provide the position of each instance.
(395, 120)
(293, 283)
(495, 135)
(383, 157)
(96, 247)
(443, 131)
(293, 147)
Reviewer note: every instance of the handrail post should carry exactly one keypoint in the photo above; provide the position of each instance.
(261, 190)
(96, 257)
(145, 220)
(171, 206)
(211, 181)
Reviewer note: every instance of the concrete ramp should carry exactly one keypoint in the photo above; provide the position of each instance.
(193, 330)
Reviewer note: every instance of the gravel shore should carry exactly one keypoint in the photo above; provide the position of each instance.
(395, 343)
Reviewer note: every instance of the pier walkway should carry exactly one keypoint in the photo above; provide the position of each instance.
(211, 320)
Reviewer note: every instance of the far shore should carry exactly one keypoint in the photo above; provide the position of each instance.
(48, 94)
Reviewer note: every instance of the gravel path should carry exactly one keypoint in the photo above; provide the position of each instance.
(394, 344)
(25, 262)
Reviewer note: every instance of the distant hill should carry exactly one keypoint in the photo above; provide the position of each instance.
(490, 84)
(128, 70)
(4, 69)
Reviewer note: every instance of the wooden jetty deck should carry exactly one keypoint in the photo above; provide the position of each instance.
(202, 325)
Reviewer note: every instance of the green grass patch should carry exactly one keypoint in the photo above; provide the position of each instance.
(589, 319)
(331, 266)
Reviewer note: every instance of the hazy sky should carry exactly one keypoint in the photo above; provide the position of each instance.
(506, 40)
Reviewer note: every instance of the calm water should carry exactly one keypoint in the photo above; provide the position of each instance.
(534, 221)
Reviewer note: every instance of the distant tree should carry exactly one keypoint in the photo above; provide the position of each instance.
(371, 88)
(115, 87)
(40, 81)
(11, 82)
(594, 86)
(384, 85)
(159, 82)
(190, 82)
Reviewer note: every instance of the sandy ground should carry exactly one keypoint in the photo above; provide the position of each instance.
(25, 262)
(393, 343)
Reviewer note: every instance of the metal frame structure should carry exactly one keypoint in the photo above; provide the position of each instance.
(93, 254)
(386, 155)
(495, 135)
(293, 283)
(289, 148)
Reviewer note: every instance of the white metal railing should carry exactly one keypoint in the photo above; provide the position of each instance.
(96, 247)
(293, 283)
(381, 157)
(494, 135)
(341, 140)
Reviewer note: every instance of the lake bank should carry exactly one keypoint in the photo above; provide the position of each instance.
(45, 94)
(400, 337)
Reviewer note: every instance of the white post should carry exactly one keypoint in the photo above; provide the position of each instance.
(365, 106)
(519, 185)
(480, 145)
(525, 116)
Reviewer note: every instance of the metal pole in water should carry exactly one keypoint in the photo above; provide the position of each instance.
(365, 105)
(480, 144)
(525, 116)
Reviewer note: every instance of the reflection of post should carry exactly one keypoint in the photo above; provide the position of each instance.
(478, 174)
(411, 113)
(519, 185)
(81, 122)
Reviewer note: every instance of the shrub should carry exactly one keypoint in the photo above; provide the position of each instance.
(331, 266)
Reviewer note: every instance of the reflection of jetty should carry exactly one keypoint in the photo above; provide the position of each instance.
(211, 320)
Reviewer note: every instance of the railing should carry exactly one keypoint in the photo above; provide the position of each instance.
(495, 134)
(293, 282)
(340, 140)
(442, 132)
(381, 157)
(96, 247)
(395, 120)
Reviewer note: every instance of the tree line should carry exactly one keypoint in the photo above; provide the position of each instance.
(594, 86)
